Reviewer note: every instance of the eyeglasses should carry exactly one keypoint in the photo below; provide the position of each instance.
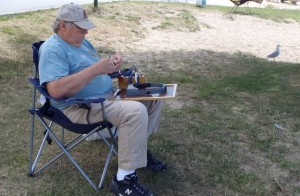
(79, 29)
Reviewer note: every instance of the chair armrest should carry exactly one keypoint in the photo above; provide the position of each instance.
(75, 101)
(69, 101)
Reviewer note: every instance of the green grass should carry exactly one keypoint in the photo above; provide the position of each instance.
(185, 20)
(222, 140)
(267, 13)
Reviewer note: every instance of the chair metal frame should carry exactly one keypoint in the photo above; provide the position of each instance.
(83, 131)
(238, 3)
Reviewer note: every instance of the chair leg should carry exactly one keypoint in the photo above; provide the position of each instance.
(65, 148)
(106, 166)
(65, 151)
(248, 8)
(39, 152)
(233, 9)
(32, 164)
(62, 135)
(112, 146)
(68, 147)
(106, 142)
(32, 130)
(31, 146)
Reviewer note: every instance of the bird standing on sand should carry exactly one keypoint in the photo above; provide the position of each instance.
(275, 53)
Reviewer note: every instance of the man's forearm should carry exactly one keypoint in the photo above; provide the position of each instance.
(67, 86)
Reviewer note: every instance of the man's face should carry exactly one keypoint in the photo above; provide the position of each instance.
(72, 34)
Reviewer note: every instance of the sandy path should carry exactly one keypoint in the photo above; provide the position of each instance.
(229, 33)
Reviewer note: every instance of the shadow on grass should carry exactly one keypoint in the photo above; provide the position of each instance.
(219, 142)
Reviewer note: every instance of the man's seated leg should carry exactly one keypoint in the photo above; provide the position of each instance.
(154, 112)
(131, 118)
(155, 165)
(129, 186)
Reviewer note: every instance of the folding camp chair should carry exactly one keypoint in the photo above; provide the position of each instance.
(49, 114)
(237, 3)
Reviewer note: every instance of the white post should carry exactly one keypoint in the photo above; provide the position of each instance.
(201, 3)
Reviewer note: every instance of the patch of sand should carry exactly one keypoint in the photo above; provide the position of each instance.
(228, 33)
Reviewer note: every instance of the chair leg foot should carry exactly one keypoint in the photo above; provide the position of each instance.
(31, 175)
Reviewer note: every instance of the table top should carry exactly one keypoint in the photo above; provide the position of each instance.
(169, 94)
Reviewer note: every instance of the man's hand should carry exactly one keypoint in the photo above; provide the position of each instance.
(117, 61)
(110, 64)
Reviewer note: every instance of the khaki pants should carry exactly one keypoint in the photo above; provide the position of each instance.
(135, 121)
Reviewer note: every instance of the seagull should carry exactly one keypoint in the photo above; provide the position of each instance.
(275, 53)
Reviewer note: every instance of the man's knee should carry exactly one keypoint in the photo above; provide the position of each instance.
(138, 110)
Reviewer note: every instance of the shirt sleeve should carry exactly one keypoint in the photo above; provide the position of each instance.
(53, 64)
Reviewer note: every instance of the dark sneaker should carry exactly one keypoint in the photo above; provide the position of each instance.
(128, 186)
(155, 165)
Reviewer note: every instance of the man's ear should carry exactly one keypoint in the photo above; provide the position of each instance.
(62, 26)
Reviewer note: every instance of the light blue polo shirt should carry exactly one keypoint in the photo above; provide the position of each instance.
(58, 58)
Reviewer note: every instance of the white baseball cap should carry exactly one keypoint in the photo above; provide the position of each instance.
(76, 14)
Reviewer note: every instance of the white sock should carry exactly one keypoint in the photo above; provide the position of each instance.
(122, 173)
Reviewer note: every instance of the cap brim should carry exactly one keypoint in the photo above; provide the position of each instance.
(85, 24)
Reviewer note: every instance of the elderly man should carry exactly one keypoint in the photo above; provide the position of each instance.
(70, 67)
